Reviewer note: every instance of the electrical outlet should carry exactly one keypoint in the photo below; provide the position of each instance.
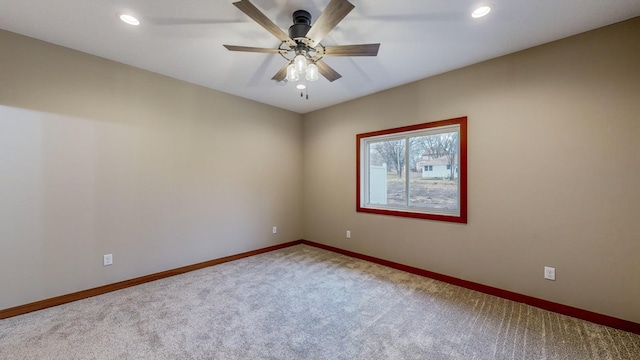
(549, 273)
(275, 229)
(107, 260)
(348, 234)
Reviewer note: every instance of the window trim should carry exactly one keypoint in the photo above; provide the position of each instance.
(462, 173)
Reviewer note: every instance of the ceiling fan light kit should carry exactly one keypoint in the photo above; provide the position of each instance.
(301, 47)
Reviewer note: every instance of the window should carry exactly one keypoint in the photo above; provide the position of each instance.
(417, 171)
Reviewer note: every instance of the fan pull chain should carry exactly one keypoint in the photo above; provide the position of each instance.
(302, 93)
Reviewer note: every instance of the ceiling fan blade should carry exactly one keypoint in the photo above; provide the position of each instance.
(352, 50)
(330, 17)
(250, 10)
(253, 49)
(326, 71)
(281, 74)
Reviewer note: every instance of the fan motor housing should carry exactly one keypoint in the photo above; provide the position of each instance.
(301, 24)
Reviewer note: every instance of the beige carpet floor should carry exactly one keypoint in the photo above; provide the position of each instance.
(305, 303)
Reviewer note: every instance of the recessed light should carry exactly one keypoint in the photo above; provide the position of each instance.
(130, 19)
(301, 87)
(480, 12)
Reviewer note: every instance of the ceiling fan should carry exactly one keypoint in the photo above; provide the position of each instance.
(301, 47)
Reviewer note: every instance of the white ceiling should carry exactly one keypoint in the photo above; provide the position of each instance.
(419, 38)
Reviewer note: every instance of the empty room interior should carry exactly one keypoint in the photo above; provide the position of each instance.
(132, 153)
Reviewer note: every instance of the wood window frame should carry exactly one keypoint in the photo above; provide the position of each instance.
(462, 176)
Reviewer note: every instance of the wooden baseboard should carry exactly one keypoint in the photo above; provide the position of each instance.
(59, 300)
(529, 300)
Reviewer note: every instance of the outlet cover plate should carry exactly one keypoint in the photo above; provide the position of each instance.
(549, 273)
(107, 260)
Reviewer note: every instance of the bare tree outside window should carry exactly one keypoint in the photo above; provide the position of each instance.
(393, 153)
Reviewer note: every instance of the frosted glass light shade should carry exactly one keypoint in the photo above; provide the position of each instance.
(292, 74)
(300, 63)
(312, 72)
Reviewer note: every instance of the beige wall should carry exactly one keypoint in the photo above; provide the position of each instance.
(553, 172)
(98, 157)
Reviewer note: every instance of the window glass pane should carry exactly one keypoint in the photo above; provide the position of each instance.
(433, 161)
(386, 178)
